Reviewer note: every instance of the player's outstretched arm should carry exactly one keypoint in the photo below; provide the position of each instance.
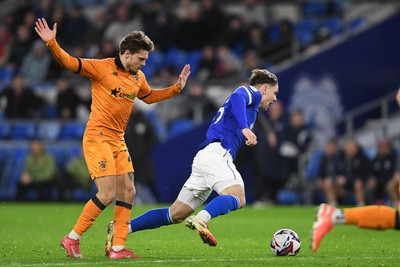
(183, 77)
(44, 31)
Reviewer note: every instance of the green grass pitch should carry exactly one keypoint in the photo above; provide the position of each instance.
(31, 233)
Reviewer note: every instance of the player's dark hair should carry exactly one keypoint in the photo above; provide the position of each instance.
(261, 76)
(136, 41)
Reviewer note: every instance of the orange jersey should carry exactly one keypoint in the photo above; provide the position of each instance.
(113, 91)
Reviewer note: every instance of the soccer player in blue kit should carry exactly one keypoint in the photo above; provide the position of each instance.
(213, 167)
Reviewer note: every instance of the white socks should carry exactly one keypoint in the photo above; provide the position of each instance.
(338, 217)
(73, 235)
(203, 215)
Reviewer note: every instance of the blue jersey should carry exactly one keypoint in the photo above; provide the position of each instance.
(237, 113)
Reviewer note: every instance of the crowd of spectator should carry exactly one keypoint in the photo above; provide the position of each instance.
(218, 44)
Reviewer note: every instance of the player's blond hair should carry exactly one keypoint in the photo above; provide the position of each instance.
(261, 76)
(136, 41)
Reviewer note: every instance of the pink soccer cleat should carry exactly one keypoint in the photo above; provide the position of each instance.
(122, 254)
(322, 225)
(203, 230)
(72, 247)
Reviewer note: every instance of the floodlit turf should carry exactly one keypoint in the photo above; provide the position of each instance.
(31, 233)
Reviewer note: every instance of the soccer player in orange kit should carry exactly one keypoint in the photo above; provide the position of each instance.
(116, 82)
(373, 217)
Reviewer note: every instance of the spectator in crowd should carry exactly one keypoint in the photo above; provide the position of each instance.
(228, 64)
(77, 22)
(213, 19)
(256, 39)
(328, 171)
(281, 48)
(20, 47)
(159, 25)
(270, 178)
(16, 18)
(44, 9)
(192, 34)
(296, 139)
(207, 68)
(250, 61)
(75, 175)
(234, 35)
(67, 100)
(39, 174)
(354, 173)
(35, 65)
(5, 44)
(123, 24)
(140, 139)
(200, 106)
(383, 170)
(21, 102)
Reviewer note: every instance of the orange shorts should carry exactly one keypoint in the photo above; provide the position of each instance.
(106, 157)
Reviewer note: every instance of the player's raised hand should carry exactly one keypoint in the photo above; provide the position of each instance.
(44, 31)
(183, 77)
(251, 138)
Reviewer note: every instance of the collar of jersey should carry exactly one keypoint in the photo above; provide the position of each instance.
(118, 62)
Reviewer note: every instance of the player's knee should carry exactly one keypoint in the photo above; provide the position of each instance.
(242, 201)
(106, 197)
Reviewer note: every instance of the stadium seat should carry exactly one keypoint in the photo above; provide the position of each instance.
(194, 58)
(12, 171)
(305, 38)
(23, 130)
(72, 131)
(357, 24)
(334, 25)
(312, 167)
(59, 153)
(176, 59)
(315, 9)
(306, 25)
(49, 130)
(5, 130)
(288, 197)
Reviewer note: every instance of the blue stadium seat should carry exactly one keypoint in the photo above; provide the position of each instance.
(305, 38)
(176, 59)
(72, 131)
(12, 171)
(357, 24)
(194, 58)
(312, 168)
(334, 25)
(5, 130)
(23, 130)
(60, 155)
(288, 197)
(315, 8)
(305, 25)
(48, 130)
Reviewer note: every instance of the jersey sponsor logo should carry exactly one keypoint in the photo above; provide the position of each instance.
(115, 73)
(103, 165)
(116, 92)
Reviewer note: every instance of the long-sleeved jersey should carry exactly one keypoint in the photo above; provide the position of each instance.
(113, 91)
(237, 113)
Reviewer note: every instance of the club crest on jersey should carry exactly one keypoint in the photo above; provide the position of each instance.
(103, 165)
(136, 77)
